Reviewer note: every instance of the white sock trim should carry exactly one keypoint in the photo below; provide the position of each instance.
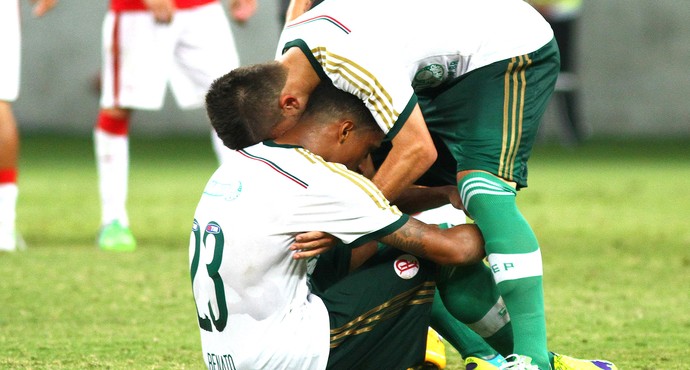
(515, 266)
(493, 321)
(478, 186)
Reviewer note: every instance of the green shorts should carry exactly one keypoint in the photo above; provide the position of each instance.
(488, 118)
(379, 320)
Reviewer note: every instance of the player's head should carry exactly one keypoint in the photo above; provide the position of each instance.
(243, 105)
(328, 103)
(337, 126)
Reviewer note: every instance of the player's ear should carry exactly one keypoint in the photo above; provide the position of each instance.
(346, 128)
(290, 105)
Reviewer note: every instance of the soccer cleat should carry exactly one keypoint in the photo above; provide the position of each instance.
(476, 363)
(117, 238)
(517, 362)
(435, 350)
(562, 362)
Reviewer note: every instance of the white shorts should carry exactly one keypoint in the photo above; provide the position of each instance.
(140, 57)
(10, 49)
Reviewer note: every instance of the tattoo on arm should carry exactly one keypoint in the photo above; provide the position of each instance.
(408, 238)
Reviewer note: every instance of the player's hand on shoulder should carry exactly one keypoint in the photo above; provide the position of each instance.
(311, 244)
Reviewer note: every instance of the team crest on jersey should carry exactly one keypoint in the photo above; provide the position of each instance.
(429, 76)
(406, 266)
(226, 191)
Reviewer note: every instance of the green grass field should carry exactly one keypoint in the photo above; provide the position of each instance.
(613, 220)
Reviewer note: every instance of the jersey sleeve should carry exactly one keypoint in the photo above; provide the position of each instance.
(385, 90)
(347, 206)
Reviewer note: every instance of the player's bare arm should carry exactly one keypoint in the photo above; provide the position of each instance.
(41, 7)
(242, 10)
(297, 8)
(418, 198)
(421, 198)
(313, 243)
(412, 154)
(458, 245)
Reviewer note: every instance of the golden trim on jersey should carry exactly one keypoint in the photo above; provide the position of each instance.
(363, 80)
(421, 294)
(360, 181)
(513, 113)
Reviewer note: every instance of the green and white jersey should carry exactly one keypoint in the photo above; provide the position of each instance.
(384, 50)
(254, 307)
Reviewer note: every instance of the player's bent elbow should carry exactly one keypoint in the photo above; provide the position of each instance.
(427, 155)
(456, 257)
(465, 246)
(421, 151)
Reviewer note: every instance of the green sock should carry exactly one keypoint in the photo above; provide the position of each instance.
(470, 295)
(514, 259)
(463, 339)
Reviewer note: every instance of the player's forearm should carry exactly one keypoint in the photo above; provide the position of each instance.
(421, 198)
(297, 8)
(459, 245)
(362, 253)
(242, 10)
(412, 154)
(41, 7)
(468, 244)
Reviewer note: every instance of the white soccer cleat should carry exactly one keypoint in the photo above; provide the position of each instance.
(517, 362)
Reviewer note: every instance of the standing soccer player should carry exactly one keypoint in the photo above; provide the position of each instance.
(10, 44)
(148, 45)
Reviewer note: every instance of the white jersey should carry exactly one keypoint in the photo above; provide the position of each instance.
(255, 308)
(10, 45)
(384, 50)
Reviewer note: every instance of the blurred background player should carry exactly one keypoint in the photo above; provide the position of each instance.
(10, 44)
(148, 44)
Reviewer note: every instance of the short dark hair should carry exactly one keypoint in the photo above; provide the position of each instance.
(327, 102)
(244, 105)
